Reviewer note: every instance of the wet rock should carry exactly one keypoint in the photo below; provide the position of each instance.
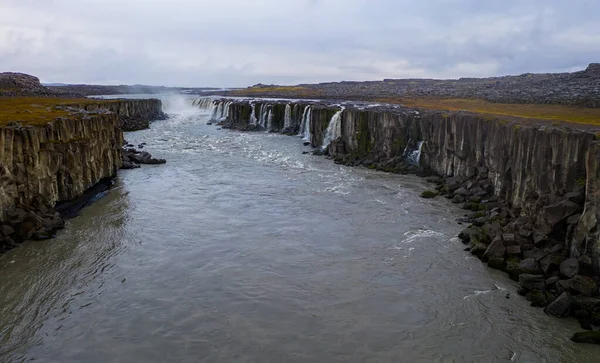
(561, 306)
(306, 143)
(463, 192)
(550, 264)
(539, 298)
(514, 267)
(496, 249)
(532, 282)
(586, 266)
(42, 234)
(496, 263)
(509, 238)
(551, 281)
(305, 153)
(569, 268)
(209, 123)
(478, 248)
(7, 230)
(590, 337)
(513, 250)
(574, 219)
(145, 158)
(581, 285)
(458, 199)
(429, 194)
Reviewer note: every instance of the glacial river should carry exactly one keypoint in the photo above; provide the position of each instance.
(242, 249)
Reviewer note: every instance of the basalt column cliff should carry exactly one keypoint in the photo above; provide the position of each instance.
(53, 150)
(531, 188)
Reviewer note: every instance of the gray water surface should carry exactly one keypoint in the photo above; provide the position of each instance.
(241, 249)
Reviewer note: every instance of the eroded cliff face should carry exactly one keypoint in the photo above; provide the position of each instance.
(133, 114)
(57, 162)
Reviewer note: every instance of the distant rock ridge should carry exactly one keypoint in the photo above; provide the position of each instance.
(20, 84)
(580, 88)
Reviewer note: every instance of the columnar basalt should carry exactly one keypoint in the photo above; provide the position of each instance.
(133, 114)
(531, 188)
(46, 165)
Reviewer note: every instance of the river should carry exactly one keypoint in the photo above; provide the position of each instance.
(242, 249)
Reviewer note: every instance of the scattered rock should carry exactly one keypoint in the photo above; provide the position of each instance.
(590, 337)
(429, 194)
(532, 282)
(569, 268)
(561, 307)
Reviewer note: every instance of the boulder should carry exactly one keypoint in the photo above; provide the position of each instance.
(539, 298)
(513, 250)
(583, 285)
(7, 230)
(495, 249)
(530, 266)
(496, 263)
(590, 337)
(569, 268)
(561, 306)
(550, 264)
(532, 282)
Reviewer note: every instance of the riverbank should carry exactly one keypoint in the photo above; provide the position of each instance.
(529, 187)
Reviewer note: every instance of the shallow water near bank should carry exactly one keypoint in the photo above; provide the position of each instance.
(241, 249)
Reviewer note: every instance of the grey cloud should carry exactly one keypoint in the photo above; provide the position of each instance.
(238, 43)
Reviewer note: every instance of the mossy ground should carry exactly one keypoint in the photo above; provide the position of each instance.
(580, 115)
(37, 111)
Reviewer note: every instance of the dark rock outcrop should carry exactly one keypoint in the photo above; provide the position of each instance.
(19, 84)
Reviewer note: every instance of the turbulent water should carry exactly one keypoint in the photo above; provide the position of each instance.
(241, 249)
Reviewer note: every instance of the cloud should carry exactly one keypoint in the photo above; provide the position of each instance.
(238, 43)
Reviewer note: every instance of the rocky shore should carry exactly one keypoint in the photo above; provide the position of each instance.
(529, 189)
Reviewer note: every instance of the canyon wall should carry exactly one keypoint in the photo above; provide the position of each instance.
(133, 114)
(46, 168)
(545, 176)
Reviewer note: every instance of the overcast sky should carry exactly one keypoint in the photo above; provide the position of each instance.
(239, 43)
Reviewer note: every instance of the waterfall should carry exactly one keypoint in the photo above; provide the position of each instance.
(269, 119)
(204, 104)
(307, 124)
(215, 111)
(264, 112)
(334, 129)
(415, 156)
(287, 121)
(303, 121)
(253, 120)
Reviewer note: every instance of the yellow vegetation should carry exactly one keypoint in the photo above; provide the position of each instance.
(37, 111)
(581, 115)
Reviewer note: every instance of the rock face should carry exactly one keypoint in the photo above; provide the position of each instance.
(133, 114)
(57, 164)
(19, 84)
(40, 166)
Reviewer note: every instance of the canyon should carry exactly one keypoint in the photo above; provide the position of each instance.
(530, 188)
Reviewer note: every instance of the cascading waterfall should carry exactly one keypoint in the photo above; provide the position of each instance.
(215, 111)
(204, 104)
(287, 121)
(415, 156)
(307, 125)
(264, 111)
(253, 120)
(269, 119)
(303, 121)
(334, 129)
